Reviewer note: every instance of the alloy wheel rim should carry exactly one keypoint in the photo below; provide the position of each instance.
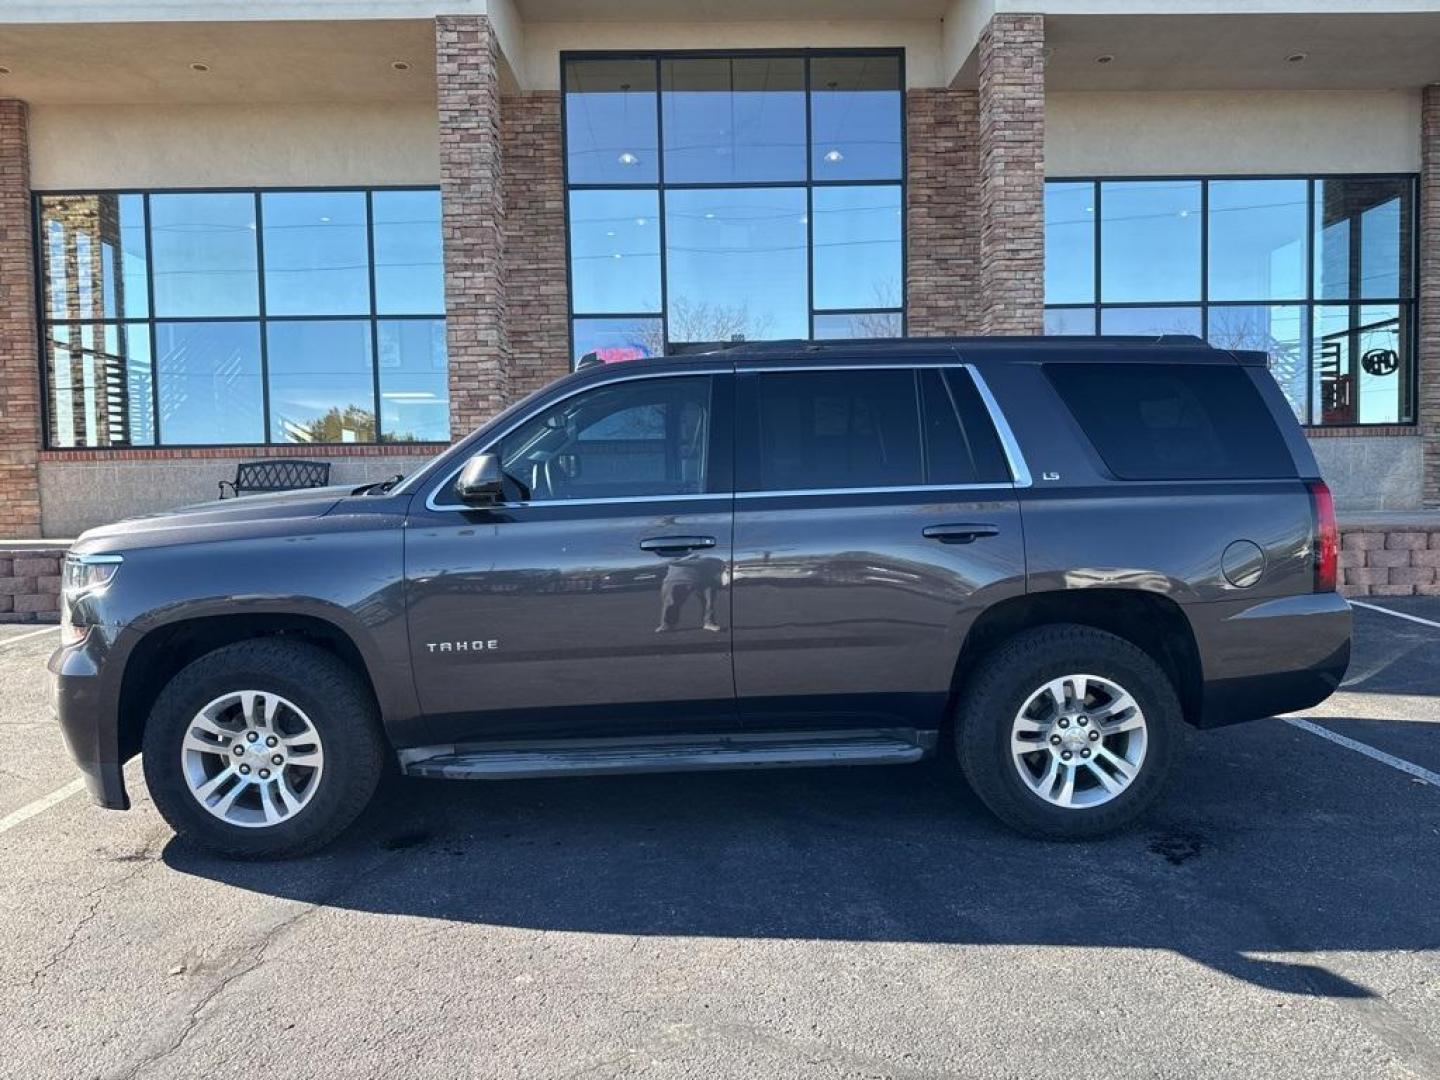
(1079, 741)
(252, 758)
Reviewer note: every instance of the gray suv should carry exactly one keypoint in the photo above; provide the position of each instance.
(1048, 556)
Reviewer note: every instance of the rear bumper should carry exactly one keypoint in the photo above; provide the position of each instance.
(1260, 658)
(85, 705)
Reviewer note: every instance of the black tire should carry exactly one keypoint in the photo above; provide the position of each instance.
(339, 706)
(1001, 683)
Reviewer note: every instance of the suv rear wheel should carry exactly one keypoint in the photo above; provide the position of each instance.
(1067, 732)
(263, 749)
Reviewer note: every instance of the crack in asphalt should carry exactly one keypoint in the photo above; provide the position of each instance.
(240, 968)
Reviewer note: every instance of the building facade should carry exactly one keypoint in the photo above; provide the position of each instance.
(352, 230)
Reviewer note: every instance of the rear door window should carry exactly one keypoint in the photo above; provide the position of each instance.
(830, 430)
(1174, 421)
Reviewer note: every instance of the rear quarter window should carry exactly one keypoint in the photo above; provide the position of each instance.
(1174, 421)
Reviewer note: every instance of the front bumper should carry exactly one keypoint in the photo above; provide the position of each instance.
(1260, 658)
(85, 696)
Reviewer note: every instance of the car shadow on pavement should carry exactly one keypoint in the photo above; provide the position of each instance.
(1269, 851)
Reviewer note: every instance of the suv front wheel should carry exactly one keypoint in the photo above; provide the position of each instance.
(1067, 732)
(263, 749)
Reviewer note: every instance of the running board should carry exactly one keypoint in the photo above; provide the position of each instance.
(699, 753)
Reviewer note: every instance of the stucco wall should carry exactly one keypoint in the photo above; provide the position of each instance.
(78, 495)
(109, 146)
(1371, 472)
(1124, 134)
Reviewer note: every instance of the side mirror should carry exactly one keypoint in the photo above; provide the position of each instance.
(480, 482)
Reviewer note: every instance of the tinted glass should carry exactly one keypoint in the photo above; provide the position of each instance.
(949, 455)
(634, 439)
(209, 382)
(1061, 322)
(1360, 374)
(615, 340)
(867, 324)
(93, 256)
(409, 270)
(981, 442)
(1363, 238)
(414, 392)
(614, 251)
(1156, 320)
(317, 259)
(610, 122)
(733, 119)
(1174, 421)
(322, 382)
(1257, 239)
(855, 118)
(205, 254)
(1276, 329)
(1069, 243)
(736, 264)
(100, 385)
(820, 430)
(1150, 240)
(857, 246)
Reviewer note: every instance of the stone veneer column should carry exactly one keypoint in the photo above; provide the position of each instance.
(1012, 174)
(942, 285)
(472, 218)
(1428, 385)
(19, 380)
(538, 304)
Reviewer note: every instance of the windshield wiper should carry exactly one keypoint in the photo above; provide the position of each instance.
(378, 487)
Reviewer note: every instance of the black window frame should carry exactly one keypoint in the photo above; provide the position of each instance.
(660, 186)
(262, 318)
(1407, 306)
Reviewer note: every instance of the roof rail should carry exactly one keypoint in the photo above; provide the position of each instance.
(1055, 342)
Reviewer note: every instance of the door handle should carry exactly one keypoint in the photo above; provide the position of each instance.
(676, 545)
(959, 534)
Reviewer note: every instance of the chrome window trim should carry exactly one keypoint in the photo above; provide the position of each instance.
(1013, 456)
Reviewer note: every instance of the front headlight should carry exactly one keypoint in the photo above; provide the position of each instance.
(84, 575)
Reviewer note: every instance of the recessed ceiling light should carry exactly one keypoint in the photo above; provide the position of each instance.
(627, 158)
(1105, 58)
(200, 67)
(834, 156)
(1296, 58)
(400, 65)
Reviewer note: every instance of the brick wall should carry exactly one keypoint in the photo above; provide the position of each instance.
(1012, 174)
(1429, 301)
(942, 283)
(30, 584)
(537, 300)
(1389, 560)
(19, 385)
(472, 218)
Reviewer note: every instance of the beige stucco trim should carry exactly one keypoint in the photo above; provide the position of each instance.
(112, 146)
(1120, 134)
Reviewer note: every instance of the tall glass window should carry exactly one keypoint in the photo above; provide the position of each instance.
(720, 198)
(242, 317)
(1317, 272)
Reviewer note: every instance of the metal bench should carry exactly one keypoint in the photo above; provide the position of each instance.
(281, 474)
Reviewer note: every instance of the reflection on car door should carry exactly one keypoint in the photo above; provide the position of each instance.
(875, 517)
(600, 588)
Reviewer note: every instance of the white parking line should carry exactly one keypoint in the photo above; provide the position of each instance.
(40, 805)
(23, 637)
(1397, 614)
(1394, 762)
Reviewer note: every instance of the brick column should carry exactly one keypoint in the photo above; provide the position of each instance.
(942, 284)
(19, 379)
(472, 218)
(535, 240)
(1428, 384)
(1012, 174)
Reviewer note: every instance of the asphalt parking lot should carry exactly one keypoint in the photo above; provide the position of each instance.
(1279, 916)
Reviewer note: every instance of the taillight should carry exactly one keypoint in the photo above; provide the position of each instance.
(1326, 536)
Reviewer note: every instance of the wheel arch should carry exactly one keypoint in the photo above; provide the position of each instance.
(165, 649)
(1155, 624)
